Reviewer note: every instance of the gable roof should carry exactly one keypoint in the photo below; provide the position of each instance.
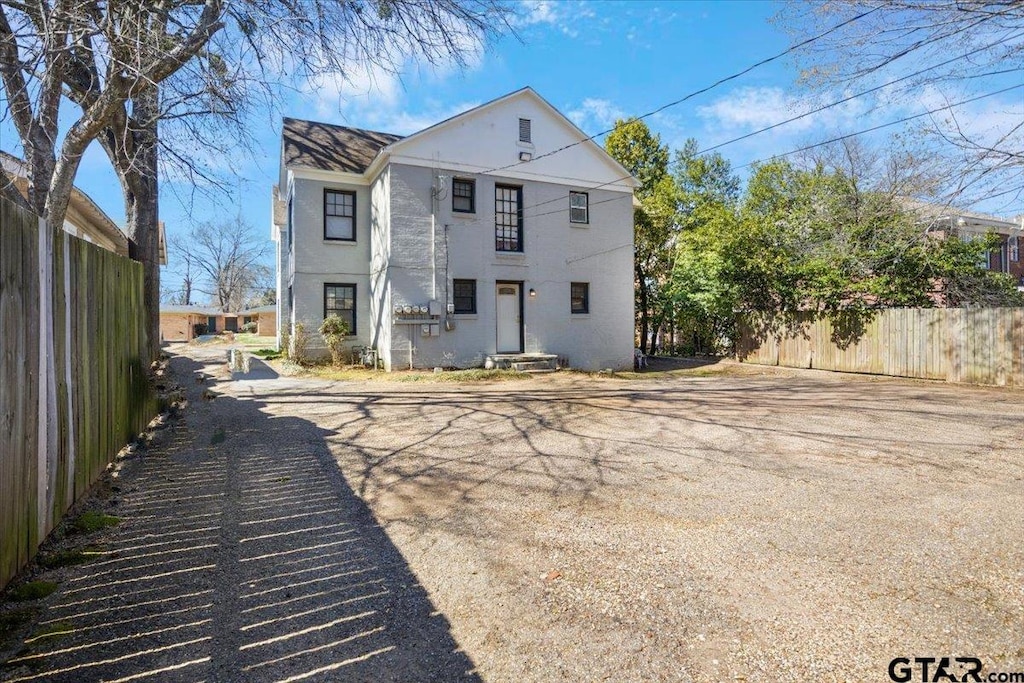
(329, 147)
(527, 91)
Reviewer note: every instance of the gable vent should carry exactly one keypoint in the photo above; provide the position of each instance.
(524, 131)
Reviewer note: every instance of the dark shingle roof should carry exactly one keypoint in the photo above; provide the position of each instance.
(332, 148)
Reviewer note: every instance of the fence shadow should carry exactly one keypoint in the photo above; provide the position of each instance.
(242, 555)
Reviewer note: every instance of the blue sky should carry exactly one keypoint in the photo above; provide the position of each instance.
(596, 61)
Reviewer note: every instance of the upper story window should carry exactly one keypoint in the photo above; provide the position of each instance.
(339, 215)
(463, 195)
(508, 218)
(525, 132)
(579, 207)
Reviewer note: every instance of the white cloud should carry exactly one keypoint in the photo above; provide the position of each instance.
(593, 114)
(406, 122)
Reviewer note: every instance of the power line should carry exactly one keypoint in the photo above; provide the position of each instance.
(861, 94)
(693, 94)
(886, 125)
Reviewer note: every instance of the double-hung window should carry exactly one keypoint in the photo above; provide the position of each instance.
(463, 195)
(340, 300)
(465, 296)
(579, 207)
(508, 218)
(339, 215)
(579, 296)
(1015, 248)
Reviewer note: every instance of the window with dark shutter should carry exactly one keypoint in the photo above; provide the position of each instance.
(580, 297)
(464, 296)
(525, 134)
(579, 207)
(463, 195)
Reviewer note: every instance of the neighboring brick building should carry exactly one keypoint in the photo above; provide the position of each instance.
(967, 225)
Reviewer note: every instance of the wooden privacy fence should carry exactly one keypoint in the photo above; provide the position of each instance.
(73, 382)
(970, 345)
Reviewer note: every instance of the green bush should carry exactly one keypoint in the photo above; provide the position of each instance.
(334, 330)
(249, 328)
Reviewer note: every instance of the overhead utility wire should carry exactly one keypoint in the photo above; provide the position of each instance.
(809, 113)
(703, 90)
(886, 125)
(860, 94)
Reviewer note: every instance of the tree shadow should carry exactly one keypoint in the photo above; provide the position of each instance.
(243, 554)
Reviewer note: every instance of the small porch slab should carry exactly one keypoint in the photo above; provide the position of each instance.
(522, 362)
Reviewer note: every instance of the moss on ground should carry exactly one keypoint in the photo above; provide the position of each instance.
(93, 520)
(32, 590)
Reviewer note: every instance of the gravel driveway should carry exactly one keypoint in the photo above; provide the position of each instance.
(786, 526)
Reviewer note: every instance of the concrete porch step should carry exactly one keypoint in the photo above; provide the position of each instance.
(534, 366)
(523, 362)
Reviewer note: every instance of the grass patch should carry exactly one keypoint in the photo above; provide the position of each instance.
(67, 558)
(12, 620)
(32, 590)
(267, 354)
(92, 520)
(218, 437)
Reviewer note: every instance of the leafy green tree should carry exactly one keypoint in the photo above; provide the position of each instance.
(642, 153)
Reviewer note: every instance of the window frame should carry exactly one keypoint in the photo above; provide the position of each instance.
(586, 298)
(586, 207)
(519, 218)
(472, 194)
(291, 222)
(355, 305)
(455, 296)
(1013, 248)
(351, 193)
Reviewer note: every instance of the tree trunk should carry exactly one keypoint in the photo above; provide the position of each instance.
(642, 288)
(132, 147)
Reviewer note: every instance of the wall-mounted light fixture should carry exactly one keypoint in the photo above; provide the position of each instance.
(525, 156)
(533, 292)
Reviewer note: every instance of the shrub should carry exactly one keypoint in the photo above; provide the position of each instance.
(249, 328)
(286, 340)
(199, 329)
(299, 343)
(334, 330)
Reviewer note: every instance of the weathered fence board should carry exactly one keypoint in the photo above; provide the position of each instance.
(973, 346)
(97, 363)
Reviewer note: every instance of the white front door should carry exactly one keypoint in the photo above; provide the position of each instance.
(509, 318)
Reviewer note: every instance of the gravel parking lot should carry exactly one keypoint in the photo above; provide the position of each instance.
(776, 526)
(713, 526)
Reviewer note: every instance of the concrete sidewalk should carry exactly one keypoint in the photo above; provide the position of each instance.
(242, 556)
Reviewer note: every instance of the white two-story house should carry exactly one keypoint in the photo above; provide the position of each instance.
(502, 234)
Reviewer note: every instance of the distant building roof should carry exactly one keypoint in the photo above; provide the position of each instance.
(198, 310)
(960, 218)
(332, 148)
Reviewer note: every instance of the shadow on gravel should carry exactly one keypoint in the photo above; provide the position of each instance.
(243, 557)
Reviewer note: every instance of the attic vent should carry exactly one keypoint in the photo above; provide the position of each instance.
(524, 130)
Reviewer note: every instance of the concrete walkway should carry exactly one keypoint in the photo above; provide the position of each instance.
(242, 556)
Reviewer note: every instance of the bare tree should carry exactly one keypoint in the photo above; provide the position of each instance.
(159, 84)
(941, 50)
(228, 262)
